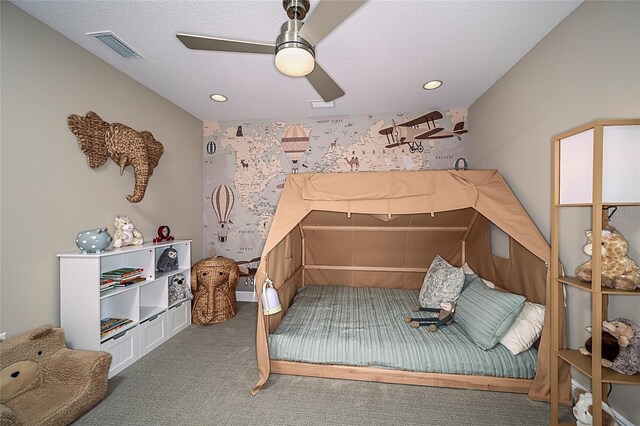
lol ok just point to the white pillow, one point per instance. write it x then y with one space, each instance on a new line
526 329
467 270
442 283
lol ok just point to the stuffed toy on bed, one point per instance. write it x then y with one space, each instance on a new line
445 316
618 270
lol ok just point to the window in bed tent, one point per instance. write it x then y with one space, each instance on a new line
499 242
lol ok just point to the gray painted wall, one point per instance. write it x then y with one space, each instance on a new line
587 68
48 192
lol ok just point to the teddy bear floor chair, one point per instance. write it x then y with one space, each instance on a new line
42 382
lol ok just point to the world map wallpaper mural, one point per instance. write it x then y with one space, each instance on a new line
246 164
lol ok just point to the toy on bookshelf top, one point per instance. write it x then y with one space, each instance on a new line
125 233
93 240
164 234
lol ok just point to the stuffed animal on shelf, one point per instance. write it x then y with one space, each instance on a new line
168 260
583 408
179 288
445 316
610 348
625 335
618 270
125 233
628 335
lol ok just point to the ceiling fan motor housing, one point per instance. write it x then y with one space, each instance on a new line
289 37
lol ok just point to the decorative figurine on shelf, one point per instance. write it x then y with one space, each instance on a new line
164 234
168 260
618 270
94 240
125 233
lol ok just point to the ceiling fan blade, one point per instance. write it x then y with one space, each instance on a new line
327 15
324 85
197 42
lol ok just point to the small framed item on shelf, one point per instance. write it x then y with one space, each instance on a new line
164 234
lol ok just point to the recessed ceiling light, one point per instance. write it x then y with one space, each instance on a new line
433 84
218 98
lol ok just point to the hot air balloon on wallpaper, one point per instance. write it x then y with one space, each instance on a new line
222 201
295 142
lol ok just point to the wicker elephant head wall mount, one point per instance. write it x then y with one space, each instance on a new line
126 147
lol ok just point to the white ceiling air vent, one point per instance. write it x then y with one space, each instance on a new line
321 104
115 44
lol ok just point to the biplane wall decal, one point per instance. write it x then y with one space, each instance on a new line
410 132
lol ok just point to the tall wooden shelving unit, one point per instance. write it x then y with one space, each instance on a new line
607 151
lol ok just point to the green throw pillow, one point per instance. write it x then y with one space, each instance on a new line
486 314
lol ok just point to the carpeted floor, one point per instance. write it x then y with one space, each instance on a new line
203 376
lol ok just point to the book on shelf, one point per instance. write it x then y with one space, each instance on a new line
107 325
105 288
128 282
107 282
122 273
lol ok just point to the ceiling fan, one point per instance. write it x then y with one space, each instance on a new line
294 47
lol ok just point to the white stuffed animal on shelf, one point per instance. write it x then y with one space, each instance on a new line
583 408
125 233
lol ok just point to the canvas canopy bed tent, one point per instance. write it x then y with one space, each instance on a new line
381 230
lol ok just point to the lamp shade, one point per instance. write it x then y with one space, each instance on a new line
618 157
270 299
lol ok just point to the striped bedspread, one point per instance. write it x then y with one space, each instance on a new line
364 327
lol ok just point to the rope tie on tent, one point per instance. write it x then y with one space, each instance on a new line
349 209
388 208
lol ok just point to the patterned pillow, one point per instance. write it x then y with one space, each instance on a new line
442 283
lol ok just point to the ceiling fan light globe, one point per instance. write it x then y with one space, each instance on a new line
295 61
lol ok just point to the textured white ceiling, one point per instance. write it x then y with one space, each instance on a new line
380 56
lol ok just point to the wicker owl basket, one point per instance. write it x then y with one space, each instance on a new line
213 283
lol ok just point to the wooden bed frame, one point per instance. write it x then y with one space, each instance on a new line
374 374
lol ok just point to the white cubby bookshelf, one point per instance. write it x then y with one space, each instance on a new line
153 320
